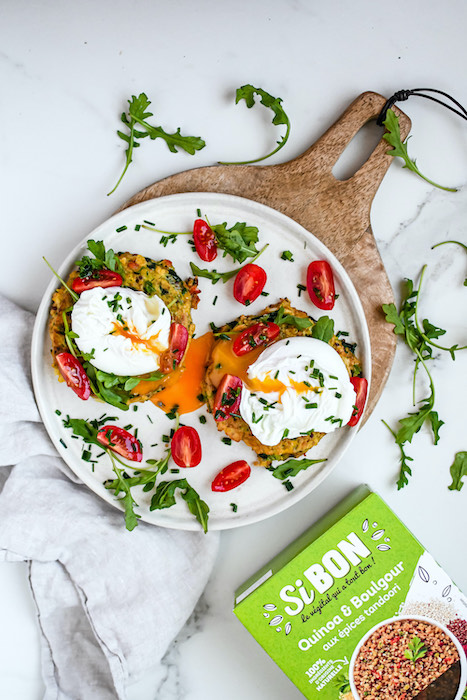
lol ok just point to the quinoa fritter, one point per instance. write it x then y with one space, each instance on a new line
141 274
234 426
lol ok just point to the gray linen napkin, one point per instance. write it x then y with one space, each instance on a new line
109 601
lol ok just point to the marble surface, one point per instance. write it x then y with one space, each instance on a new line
67 70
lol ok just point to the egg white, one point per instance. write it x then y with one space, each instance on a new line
103 318
272 415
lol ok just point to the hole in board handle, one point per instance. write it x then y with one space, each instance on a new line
358 150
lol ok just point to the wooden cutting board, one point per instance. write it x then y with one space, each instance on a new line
335 211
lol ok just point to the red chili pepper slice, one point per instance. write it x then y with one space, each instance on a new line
320 284
231 476
254 336
249 283
205 240
227 399
186 447
99 278
74 375
178 340
360 384
120 441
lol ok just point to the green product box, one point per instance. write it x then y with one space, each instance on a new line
356 568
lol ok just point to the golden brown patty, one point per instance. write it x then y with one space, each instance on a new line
141 274
234 426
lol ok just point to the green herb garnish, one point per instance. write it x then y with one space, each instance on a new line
215 276
137 117
164 497
416 650
399 148
292 467
458 471
247 93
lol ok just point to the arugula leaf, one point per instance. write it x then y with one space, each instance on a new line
102 259
299 322
164 497
458 470
399 148
239 241
292 467
323 329
137 115
247 93
215 276
419 339
129 503
462 245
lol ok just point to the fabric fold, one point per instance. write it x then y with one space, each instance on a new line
109 601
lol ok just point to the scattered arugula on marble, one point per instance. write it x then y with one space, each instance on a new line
139 128
399 148
421 339
247 93
458 470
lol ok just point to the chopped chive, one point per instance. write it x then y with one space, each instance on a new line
234 507
198 213
276 374
59 413
86 455
337 395
214 300
288 485
301 288
287 255
175 471
202 419
63 443
150 223
135 407
226 441
137 227
264 294
121 228
149 418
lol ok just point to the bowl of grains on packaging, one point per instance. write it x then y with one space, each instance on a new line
408 657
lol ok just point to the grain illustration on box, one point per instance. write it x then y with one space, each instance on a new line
342 613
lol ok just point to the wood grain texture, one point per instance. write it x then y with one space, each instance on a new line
335 211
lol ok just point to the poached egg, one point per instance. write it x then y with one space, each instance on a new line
296 386
126 331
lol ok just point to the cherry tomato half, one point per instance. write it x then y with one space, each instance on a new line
120 441
204 240
231 476
178 340
227 399
249 283
99 278
74 375
254 336
360 385
186 447
320 284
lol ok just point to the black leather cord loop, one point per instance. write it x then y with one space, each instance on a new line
402 95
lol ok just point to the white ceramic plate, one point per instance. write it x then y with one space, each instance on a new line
261 495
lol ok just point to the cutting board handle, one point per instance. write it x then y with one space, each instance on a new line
326 151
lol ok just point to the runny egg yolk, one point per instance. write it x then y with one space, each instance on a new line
151 344
182 388
225 361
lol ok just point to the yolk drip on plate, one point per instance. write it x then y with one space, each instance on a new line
182 388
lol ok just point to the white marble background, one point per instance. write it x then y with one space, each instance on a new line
66 71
